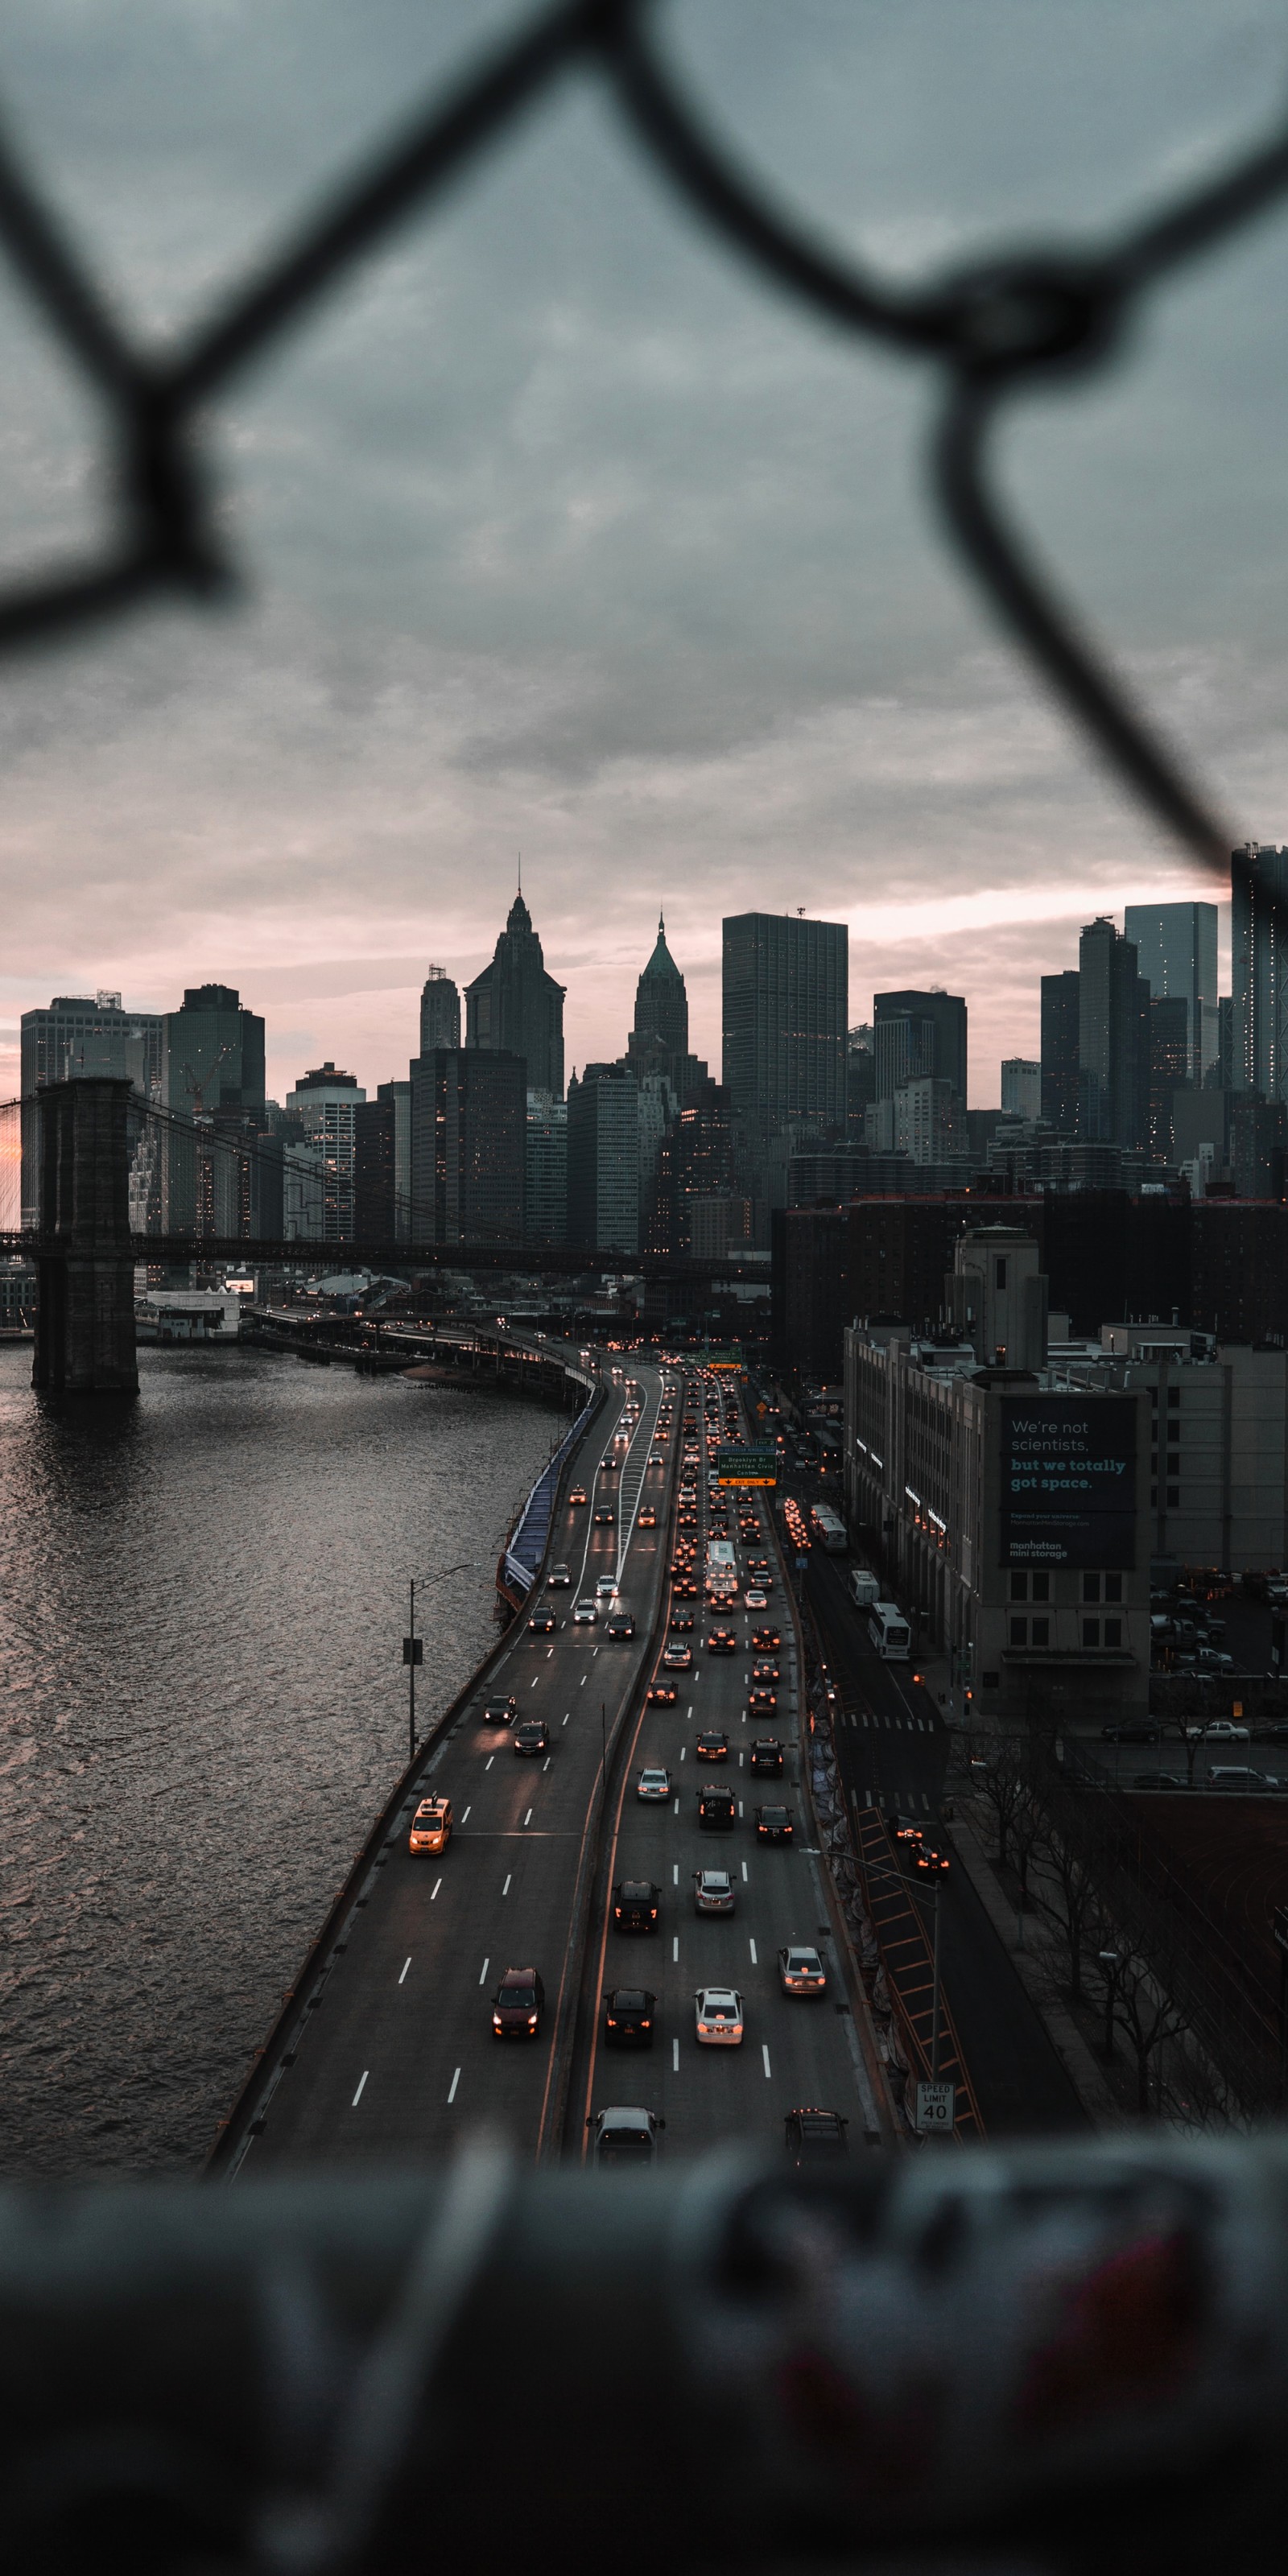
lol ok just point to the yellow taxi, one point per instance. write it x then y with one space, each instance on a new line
431 1826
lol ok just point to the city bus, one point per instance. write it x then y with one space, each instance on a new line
829 1529
889 1632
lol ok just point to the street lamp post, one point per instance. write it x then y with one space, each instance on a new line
934 2007
414 1649
1109 1960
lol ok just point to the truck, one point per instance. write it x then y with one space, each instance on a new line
829 1529
864 1587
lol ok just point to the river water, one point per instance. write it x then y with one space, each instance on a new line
203 1705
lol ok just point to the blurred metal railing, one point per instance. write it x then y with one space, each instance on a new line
991 328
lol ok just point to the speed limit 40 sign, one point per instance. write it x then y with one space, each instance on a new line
936 2109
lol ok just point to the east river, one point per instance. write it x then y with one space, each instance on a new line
202 1602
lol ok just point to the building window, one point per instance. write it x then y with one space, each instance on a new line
1091 1632
1173 1462
1113 1632
1091 1587
1113 1587
1173 1498
1173 1399
1041 1632
1153 1497
1001 1274
1041 1587
1019 1587
1019 1632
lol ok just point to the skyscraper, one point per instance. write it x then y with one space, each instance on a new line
440 1011
326 1101
1176 954
1021 1087
1169 1061
1060 1005
603 1159
468 1140
946 1015
78 1036
546 1170
214 1053
785 1014
1113 1039
514 1005
661 1008
1259 944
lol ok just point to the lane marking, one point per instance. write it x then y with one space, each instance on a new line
437 1884
675 1948
563 1721
765 2054
483 1971
677 1806
754 1960
528 1818
506 1889
406 1965
358 2095
683 1750
534 1681
675 2057
455 2081
582 1683
487 1767
549 1653
675 1873
546 1764
744 1872
466 1817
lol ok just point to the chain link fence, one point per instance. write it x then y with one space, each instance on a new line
990 329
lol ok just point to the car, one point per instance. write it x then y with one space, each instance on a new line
431 1826
712 1745
926 1859
1138 1733
761 1702
717 2017
518 2004
1240 1775
765 1641
765 1757
620 1626
1276 1734
532 1735
663 1694
647 1520
800 1970
1221 1731
606 1588
577 1495
717 1807
1211 1660
543 1623
604 1519
608 1466
624 2134
585 1615
630 2015
815 2136
656 1459
756 1600
653 1782
636 1905
773 1824
558 1578
722 1641
684 1590
713 1891
501 1710
764 1671
677 1659
1158 1780
682 1623
907 1830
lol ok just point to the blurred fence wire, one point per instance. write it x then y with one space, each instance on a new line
991 329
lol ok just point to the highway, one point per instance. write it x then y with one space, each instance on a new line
396 2058
892 1747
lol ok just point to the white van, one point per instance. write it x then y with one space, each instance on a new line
864 1587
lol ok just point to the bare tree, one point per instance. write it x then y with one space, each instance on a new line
1141 2006
995 1776
1071 1896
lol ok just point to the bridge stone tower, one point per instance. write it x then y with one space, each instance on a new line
85 1327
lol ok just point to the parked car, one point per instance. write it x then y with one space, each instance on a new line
1222 1730
1240 1775
1139 1732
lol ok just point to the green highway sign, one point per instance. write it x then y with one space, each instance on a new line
747 1466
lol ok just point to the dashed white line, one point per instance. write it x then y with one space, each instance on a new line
754 1960
434 1889
452 2089
506 1889
675 1947
487 1767
406 1965
361 2081
675 2057
765 2054
677 1806
675 1873
563 1721
465 1817
483 1971
582 1683
744 1871
528 1818
683 1750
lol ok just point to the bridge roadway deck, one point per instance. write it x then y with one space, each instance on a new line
399 2062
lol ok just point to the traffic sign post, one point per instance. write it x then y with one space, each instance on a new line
936 2110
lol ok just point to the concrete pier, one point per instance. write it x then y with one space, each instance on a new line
85 1326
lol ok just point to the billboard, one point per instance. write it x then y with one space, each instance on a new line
1068 1480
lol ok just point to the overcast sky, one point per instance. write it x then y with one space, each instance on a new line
563 534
